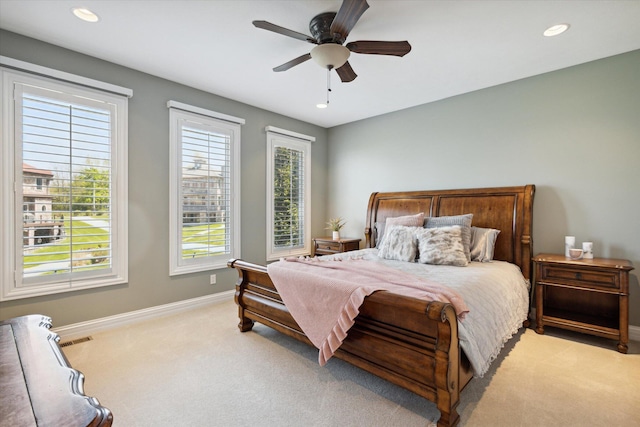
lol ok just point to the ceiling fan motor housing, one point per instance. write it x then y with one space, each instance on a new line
320 28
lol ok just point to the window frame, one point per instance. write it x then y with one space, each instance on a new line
277 137
64 85
179 113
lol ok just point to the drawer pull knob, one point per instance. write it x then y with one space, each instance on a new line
578 276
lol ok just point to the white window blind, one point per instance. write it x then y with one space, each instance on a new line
67 228
205 184
288 184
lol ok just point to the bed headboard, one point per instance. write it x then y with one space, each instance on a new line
508 209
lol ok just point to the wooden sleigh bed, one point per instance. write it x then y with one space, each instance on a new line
410 342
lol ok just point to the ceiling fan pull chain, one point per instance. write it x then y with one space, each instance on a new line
328 82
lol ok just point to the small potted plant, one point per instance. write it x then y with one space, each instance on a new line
335 224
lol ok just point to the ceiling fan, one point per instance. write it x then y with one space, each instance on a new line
330 30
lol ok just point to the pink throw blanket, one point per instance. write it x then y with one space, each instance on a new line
324 297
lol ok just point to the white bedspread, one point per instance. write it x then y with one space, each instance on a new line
496 293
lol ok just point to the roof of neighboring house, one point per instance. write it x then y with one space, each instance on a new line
31 169
200 169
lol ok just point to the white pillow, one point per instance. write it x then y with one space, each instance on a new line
441 246
399 243
483 243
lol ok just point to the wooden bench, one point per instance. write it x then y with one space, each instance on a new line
39 387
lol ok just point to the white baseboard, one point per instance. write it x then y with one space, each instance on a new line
82 329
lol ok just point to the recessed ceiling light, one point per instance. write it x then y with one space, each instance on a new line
555 30
321 105
85 14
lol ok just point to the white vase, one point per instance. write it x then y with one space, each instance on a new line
336 235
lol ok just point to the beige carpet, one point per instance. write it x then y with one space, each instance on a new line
197 369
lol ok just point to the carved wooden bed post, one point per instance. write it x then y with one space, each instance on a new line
245 324
447 362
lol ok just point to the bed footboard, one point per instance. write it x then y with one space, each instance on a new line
409 342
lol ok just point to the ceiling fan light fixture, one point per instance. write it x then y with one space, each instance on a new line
322 105
555 30
330 55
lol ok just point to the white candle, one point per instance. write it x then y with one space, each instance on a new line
587 248
569 243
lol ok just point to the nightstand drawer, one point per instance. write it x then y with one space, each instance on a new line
328 246
580 277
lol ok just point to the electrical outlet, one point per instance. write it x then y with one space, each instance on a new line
212 279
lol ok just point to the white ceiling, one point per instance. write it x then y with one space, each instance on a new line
457 46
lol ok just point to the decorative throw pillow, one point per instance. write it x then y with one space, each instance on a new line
407 220
462 220
399 243
483 243
442 246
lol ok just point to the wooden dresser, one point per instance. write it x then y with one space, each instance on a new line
587 295
38 386
328 246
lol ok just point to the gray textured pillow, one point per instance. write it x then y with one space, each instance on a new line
399 243
441 246
406 220
483 243
462 220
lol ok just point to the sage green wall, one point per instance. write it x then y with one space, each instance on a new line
149 282
574 133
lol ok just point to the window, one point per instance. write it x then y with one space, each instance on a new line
64 177
205 189
288 193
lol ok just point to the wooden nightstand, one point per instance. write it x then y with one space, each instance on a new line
587 295
328 246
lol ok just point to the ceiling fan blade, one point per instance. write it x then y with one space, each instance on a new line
293 62
346 73
284 31
346 18
380 47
